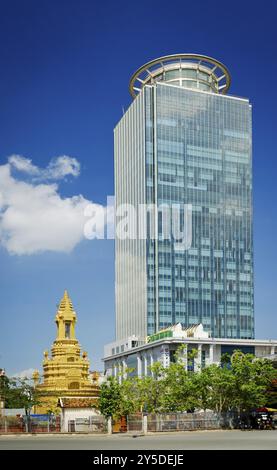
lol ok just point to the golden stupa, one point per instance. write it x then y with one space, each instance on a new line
66 372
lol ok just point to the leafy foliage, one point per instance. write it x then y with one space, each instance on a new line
252 378
239 382
19 393
110 397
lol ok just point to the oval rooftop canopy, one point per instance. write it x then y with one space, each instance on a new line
186 70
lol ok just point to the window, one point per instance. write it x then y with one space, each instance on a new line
188 73
172 74
203 76
204 87
67 329
74 386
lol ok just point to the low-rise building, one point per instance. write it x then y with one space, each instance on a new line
137 356
78 414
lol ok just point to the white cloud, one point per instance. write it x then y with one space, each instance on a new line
23 164
34 217
24 374
58 168
61 166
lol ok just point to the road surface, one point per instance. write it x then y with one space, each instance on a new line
204 440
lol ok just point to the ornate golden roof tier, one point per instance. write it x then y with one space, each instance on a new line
66 372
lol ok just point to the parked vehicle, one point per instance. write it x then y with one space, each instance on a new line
243 422
261 418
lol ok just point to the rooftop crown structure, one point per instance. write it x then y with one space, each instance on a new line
185 70
66 372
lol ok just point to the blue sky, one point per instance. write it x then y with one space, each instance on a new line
65 67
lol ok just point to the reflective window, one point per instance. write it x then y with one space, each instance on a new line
172 74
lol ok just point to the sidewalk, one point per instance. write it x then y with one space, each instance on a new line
130 434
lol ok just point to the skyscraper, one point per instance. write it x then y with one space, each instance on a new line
182 141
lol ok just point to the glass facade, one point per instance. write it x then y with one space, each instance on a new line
197 77
186 146
130 254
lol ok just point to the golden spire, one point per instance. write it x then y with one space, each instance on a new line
66 318
66 370
66 308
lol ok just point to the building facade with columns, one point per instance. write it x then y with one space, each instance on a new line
134 357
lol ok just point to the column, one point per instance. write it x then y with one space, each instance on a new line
165 356
211 354
139 365
185 357
145 365
119 369
110 425
198 358
124 367
151 361
145 424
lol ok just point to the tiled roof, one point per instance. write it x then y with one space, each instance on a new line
78 402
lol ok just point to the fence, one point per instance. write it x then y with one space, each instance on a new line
92 425
176 422
137 423
18 424
52 424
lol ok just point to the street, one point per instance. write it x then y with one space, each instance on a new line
196 440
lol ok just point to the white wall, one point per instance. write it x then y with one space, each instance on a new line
69 414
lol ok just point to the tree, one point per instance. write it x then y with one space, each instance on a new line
20 393
191 356
5 390
271 396
240 382
215 388
178 383
110 397
151 390
225 360
202 389
253 378
131 396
